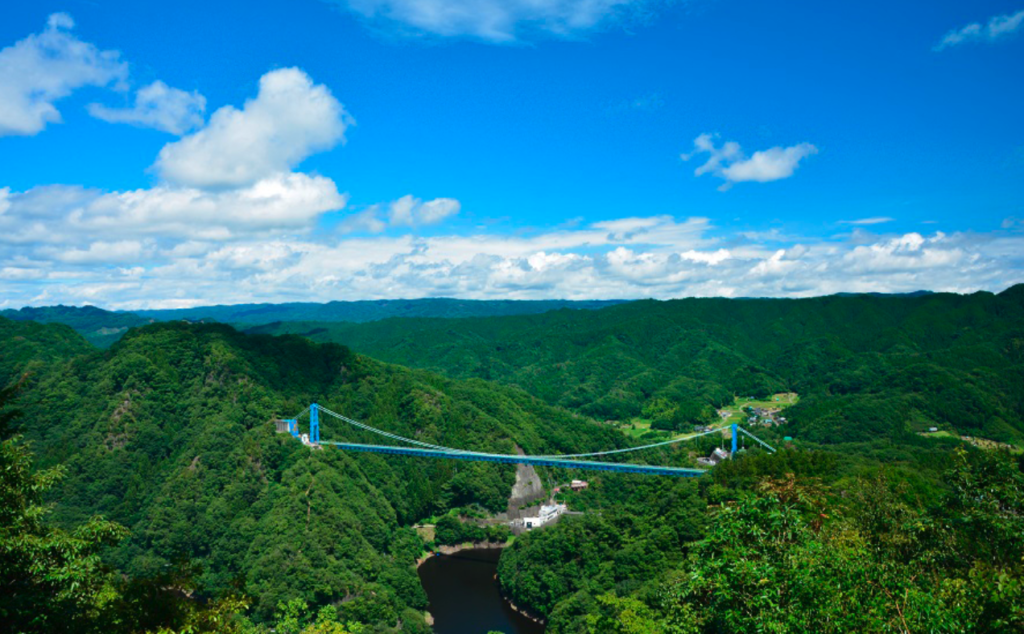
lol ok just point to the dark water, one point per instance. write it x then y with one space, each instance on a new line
464 597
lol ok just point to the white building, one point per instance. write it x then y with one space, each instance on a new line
548 513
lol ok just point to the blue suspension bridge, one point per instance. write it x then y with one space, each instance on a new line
568 461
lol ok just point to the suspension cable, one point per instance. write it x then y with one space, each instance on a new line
772 449
366 427
629 449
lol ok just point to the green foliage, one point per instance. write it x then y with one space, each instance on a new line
41 565
295 617
54 580
862 555
370 310
866 365
169 433
636 530
99 327
451 530
29 347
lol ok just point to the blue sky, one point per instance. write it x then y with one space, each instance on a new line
157 154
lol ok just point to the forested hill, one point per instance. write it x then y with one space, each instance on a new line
371 310
865 365
32 347
99 327
169 433
103 327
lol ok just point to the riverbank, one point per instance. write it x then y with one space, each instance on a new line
451 550
521 611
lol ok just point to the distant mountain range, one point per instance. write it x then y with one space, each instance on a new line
371 310
102 327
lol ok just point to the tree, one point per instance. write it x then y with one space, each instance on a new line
50 579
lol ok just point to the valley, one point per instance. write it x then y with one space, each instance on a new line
169 434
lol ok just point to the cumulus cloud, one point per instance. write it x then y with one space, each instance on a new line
656 256
729 163
158 106
492 20
288 120
182 221
46 67
282 202
997 27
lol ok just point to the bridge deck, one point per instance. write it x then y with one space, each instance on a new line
545 462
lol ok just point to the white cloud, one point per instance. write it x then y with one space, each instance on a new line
368 221
158 106
290 119
492 20
282 202
46 67
408 211
907 253
996 28
876 220
732 165
710 258
21 274
99 252
659 256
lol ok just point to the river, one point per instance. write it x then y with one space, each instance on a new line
464 595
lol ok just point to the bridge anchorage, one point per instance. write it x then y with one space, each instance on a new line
568 461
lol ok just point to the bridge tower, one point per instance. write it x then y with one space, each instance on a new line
314 424
735 437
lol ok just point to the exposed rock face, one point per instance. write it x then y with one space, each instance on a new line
527 489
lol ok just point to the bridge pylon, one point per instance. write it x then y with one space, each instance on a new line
314 424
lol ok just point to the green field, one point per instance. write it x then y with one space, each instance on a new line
781 400
638 427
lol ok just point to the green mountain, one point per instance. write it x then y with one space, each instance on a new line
99 327
103 327
863 365
370 310
169 433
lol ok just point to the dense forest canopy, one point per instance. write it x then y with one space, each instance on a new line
103 327
99 327
167 436
865 365
371 310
